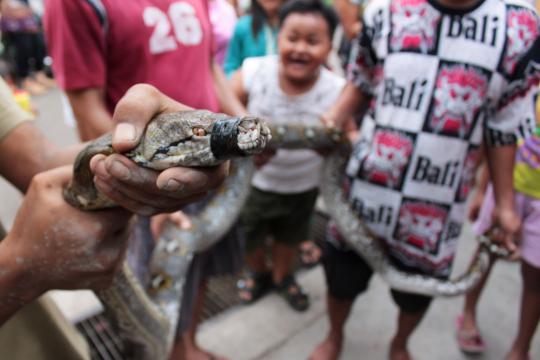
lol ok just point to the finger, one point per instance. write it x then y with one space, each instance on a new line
118 168
156 224
148 207
133 112
190 180
141 184
181 220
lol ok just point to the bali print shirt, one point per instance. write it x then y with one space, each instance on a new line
442 81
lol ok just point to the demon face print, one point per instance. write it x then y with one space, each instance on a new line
386 161
522 31
420 225
414 25
459 95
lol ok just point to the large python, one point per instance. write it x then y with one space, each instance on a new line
146 314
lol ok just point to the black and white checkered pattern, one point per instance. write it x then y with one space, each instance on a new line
442 80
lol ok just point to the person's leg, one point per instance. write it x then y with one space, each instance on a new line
412 310
283 258
347 275
256 280
289 228
467 331
530 312
338 313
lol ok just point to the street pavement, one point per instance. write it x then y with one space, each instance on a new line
270 330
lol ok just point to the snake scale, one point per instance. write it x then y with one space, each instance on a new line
146 314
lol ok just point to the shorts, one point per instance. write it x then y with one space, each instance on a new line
347 276
286 217
528 210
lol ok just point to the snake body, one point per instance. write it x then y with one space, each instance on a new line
146 314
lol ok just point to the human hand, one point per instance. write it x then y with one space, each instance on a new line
140 190
178 218
55 246
506 225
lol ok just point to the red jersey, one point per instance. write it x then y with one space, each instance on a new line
114 44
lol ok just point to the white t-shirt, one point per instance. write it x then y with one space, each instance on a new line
289 171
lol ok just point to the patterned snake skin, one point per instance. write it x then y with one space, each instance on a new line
146 314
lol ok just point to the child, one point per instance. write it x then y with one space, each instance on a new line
527 186
440 81
255 34
294 87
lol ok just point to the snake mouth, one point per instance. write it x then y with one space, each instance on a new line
253 135
238 137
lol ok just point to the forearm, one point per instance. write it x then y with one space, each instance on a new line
93 118
501 166
348 103
27 145
483 177
14 292
349 16
228 102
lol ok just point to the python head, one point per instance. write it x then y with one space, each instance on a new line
198 138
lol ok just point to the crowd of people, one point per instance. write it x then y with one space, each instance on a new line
439 98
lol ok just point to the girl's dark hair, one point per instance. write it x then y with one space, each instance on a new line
258 17
310 7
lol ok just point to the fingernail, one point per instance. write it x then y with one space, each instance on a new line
173 185
120 171
125 132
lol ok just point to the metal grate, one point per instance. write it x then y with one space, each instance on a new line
106 345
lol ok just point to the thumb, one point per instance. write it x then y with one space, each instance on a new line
135 110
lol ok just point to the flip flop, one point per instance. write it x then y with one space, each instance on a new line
469 342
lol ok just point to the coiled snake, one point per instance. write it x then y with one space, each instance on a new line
146 314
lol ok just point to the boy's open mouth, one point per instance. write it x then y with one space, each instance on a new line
298 62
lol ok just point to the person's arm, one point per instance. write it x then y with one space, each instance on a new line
505 221
349 17
481 186
77 42
229 103
347 104
233 58
52 245
238 88
93 118
500 135
27 145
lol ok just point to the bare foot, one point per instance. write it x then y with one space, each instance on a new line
399 353
329 349
196 353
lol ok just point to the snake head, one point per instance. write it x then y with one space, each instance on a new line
198 138
253 135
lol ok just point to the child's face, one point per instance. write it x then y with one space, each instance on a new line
304 45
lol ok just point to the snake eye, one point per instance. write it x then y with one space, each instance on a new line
197 131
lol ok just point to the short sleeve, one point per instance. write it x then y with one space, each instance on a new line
519 90
75 31
11 114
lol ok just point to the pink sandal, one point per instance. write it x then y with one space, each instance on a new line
469 342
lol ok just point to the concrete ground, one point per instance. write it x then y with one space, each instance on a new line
269 330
